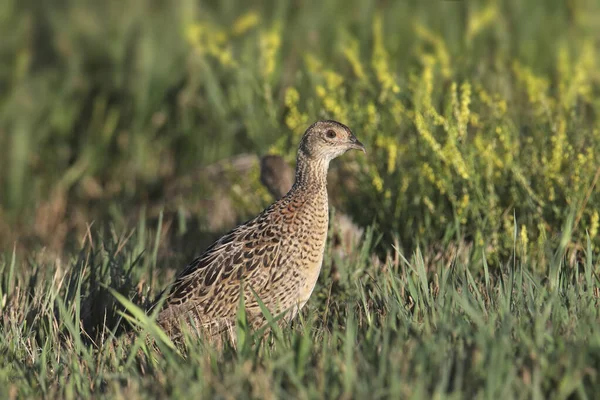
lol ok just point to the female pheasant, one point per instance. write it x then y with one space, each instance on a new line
275 256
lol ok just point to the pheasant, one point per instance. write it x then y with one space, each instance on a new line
275 257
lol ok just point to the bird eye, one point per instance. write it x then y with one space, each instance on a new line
330 134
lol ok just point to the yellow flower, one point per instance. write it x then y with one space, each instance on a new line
380 61
245 23
313 64
524 239
594 224
352 55
429 204
291 97
320 90
392 150
441 52
269 45
372 114
333 79
463 115
481 20
193 34
295 120
377 182
210 40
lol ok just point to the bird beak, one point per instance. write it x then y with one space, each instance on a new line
358 146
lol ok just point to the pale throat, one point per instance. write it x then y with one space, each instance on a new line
311 173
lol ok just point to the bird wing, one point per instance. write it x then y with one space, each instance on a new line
210 284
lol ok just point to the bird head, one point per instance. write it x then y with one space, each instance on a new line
326 140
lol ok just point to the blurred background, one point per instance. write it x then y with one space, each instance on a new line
480 117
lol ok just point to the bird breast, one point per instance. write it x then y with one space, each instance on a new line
307 219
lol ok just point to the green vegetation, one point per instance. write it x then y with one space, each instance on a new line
478 276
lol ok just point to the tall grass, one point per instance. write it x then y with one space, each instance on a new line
378 329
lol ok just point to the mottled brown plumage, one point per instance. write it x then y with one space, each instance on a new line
277 176
277 255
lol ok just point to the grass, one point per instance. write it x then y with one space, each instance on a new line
398 328
478 276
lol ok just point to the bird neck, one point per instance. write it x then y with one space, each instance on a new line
311 173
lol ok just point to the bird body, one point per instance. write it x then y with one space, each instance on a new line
275 256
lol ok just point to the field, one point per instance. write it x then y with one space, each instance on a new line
124 133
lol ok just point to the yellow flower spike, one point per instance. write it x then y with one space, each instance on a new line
193 34
441 52
454 100
398 111
330 104
210 40
351 52
404 183
270 42
294 120
502 106
481 20
496 103
429 204
462 207
428 78
380 61
484 97
244 23
465 201
320 90
372 115
219 37
558 150
551 194
225 57
537 88
423 90
465 101
392 150
424 132
581 76
313 64
448 154
479 239
291 97
594 224
429 174
333 79
524 239
377 182
508 224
